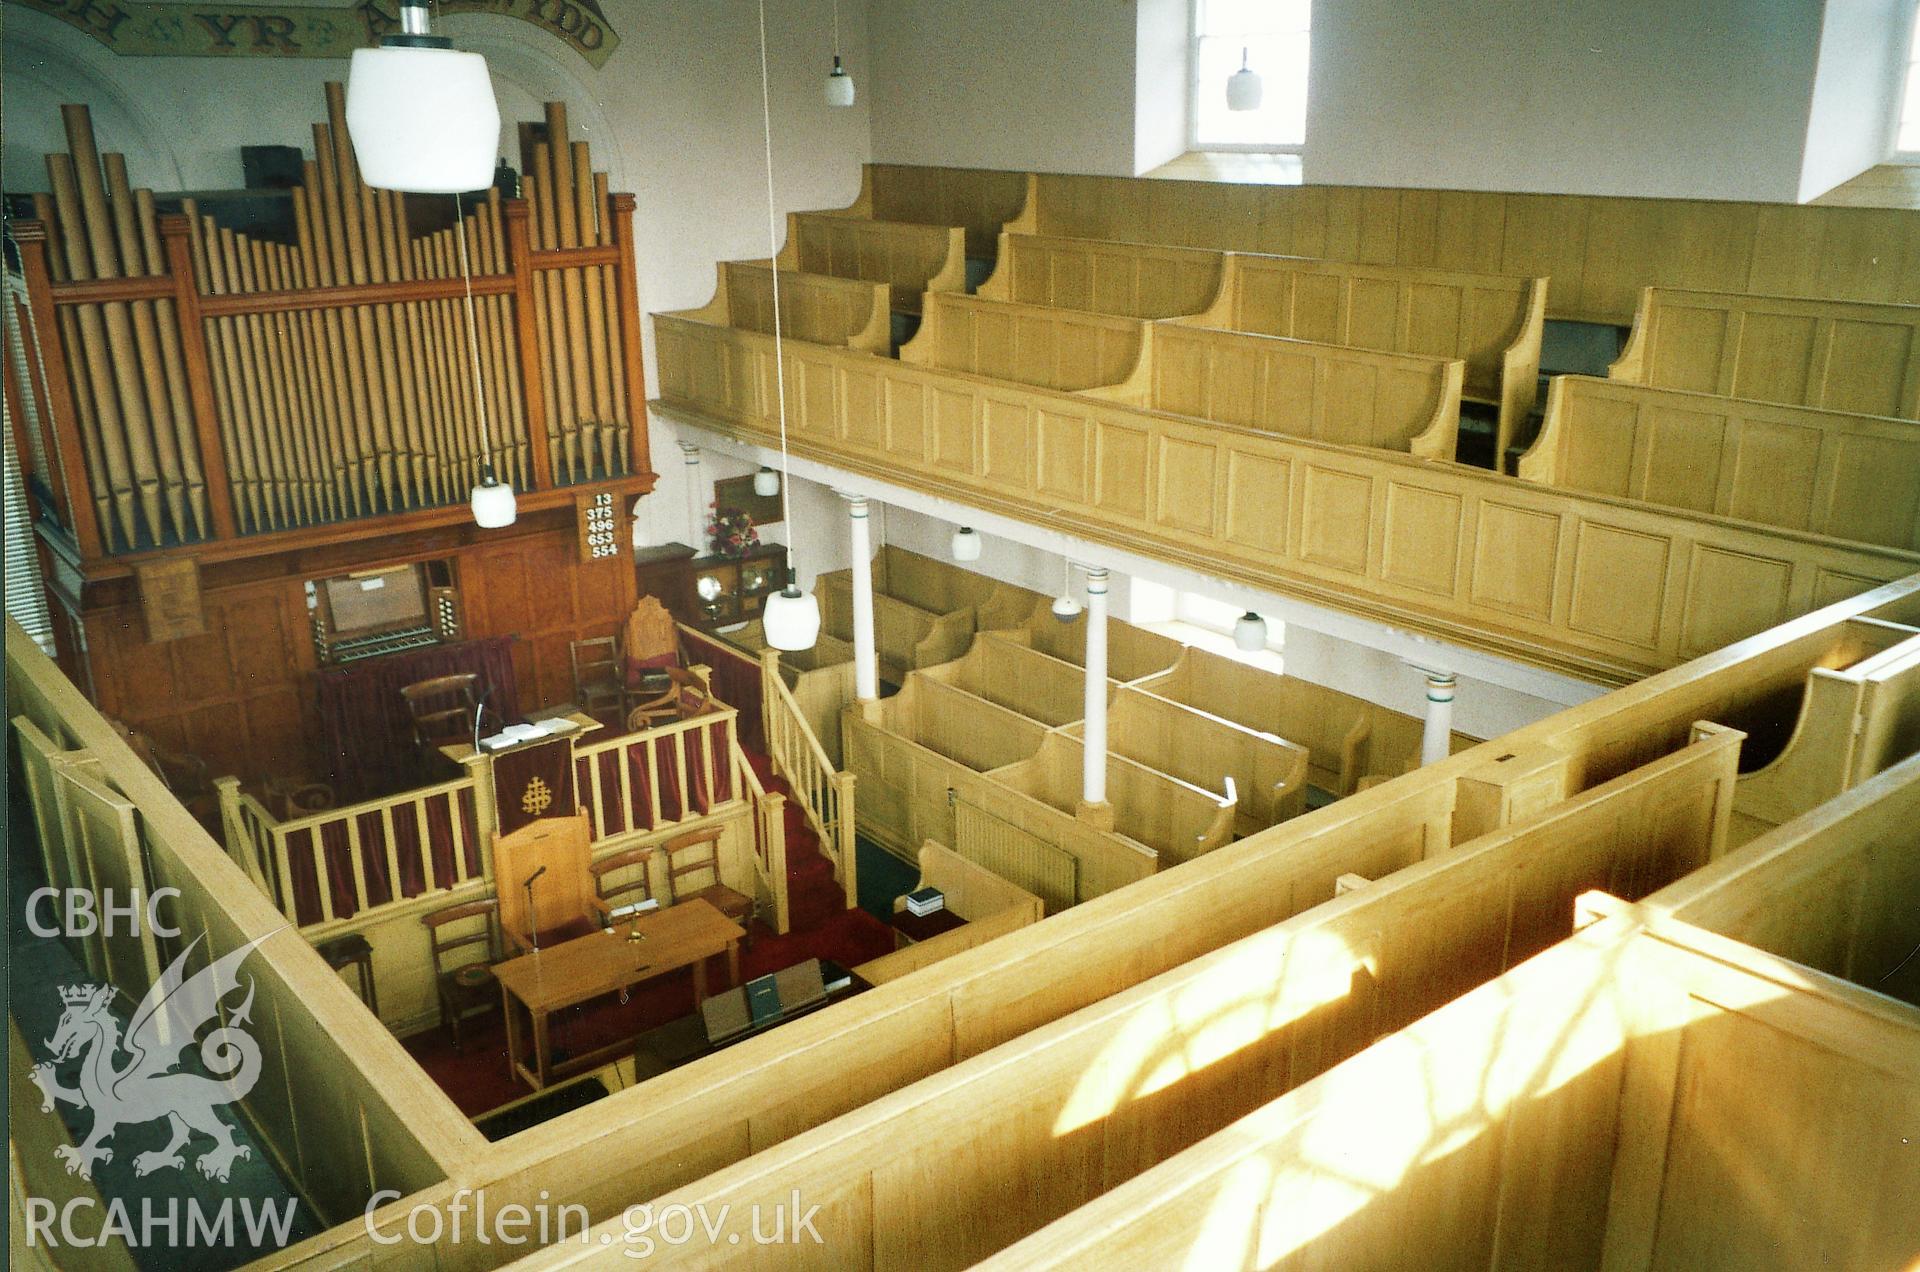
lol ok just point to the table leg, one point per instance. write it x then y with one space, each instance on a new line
541 1053
513 1033
733 962
699 982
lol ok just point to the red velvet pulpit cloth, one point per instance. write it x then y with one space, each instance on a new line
531 782
366 734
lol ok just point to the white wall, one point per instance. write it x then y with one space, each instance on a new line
1162 68
1701 98
1044 87
1863 63
674 116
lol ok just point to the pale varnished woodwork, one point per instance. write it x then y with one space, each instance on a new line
1834 355
990 905
1599 251
815 307
910 259
1577 582
1130 280
1027 344
1832 473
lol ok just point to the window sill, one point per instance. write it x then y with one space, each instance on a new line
1238 167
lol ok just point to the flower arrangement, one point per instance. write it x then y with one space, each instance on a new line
731 532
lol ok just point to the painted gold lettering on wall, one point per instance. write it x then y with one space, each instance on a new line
161 28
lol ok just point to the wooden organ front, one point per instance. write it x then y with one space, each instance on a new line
247 412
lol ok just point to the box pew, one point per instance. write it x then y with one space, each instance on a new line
1825 472
905 636
1027 344
1856 717
946 1171
1127 280
1837 889
1269 774
937 586
911 259
1836 355
1133 653
902 794
1629 1099
985 204
990 905
1490 322
910 792
1298 388
1177 819
818 308
1019 678
1346 738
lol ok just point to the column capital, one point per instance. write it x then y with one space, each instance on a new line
690 451
856 502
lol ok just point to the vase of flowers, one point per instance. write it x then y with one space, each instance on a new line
731 532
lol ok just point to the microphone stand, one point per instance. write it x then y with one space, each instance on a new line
479 709
533 925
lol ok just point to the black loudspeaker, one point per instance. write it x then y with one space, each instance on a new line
270 167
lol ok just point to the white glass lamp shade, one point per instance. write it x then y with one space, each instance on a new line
1250 632
839 85
1244 88
791 619
422 120
493 503
966 545
766 483
1066 609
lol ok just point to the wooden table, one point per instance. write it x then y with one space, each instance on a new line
461 752
685 935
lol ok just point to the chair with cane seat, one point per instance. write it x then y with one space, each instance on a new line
466 985
636 889
692 855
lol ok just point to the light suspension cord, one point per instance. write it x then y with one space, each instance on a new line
836 29
473 341
773 263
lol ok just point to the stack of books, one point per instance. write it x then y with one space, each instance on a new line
925 901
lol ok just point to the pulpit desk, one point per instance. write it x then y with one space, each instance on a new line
631 951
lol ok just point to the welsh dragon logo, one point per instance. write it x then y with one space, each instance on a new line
148 1086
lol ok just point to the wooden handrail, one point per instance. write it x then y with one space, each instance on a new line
825 794
770 839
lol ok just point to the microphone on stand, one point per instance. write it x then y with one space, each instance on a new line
533 925
480 709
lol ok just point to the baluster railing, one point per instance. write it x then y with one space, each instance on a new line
825 795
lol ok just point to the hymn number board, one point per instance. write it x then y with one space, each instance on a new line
598 522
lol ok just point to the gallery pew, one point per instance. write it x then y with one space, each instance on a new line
1127 280
814 307
1298 388
985 204
1565 580
1034 843
1019 678
1022 1134
1269 774
1835 355
1836 889
911 259
1830 473
990 905
1178 820
1492 323
1346 738
1630 1099
1857 716
1027 344
1599 250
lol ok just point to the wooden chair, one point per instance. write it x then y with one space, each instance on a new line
434 722
599 677
696 852
564 905
468 984
635 890
649 643
687 694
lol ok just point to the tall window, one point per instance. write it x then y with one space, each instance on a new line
1272 35
1909 142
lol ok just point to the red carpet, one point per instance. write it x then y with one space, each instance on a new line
820 927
